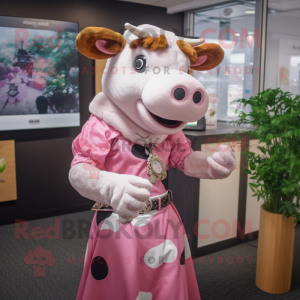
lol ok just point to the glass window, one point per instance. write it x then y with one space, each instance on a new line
233 26
283 46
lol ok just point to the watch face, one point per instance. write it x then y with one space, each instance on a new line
156 166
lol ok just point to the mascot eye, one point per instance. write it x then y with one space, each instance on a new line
139 64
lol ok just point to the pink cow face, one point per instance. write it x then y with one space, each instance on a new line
152 87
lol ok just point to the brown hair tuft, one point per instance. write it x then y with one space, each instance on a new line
152 43
188 50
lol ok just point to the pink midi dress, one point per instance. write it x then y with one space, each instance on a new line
149 258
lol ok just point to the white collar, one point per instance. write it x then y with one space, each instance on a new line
106 110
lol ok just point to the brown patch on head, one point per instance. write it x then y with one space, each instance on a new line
152 43
86 42
188 50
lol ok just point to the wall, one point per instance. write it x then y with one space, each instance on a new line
43 157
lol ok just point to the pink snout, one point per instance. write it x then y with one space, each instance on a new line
175 96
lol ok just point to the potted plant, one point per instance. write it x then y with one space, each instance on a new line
275 120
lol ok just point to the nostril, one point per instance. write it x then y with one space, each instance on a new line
179 93
197 97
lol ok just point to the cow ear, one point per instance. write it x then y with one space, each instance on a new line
209 56
99 42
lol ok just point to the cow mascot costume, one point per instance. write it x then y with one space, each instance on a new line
138 248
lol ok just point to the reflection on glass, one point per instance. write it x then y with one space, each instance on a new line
283 46
233 27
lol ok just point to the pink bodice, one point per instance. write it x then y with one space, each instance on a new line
102 146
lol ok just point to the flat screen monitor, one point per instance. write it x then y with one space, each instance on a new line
39 74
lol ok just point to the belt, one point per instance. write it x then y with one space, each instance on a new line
153 204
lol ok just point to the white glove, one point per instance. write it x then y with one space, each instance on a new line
126 194
218 166
222 163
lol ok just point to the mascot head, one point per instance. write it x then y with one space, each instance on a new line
147 74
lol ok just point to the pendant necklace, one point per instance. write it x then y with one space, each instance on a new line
155 167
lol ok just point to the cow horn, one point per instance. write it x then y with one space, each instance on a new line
141 33
192 42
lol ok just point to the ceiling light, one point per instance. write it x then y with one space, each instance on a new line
237 34
250 12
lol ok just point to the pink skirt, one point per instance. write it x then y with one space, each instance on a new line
147 259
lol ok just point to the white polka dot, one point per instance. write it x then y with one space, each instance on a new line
143 219
187 249
111 223
166 252
144 296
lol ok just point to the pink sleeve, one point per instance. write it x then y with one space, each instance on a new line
181 148
93 143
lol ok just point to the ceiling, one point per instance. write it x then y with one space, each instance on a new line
174 6
226 13
284 5
162 3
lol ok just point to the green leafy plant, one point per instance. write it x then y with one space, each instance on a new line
275 117
2 167
58 84
2 164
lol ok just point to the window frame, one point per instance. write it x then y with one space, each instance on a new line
261 15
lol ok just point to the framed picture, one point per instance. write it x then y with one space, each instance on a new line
8 183
39 74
